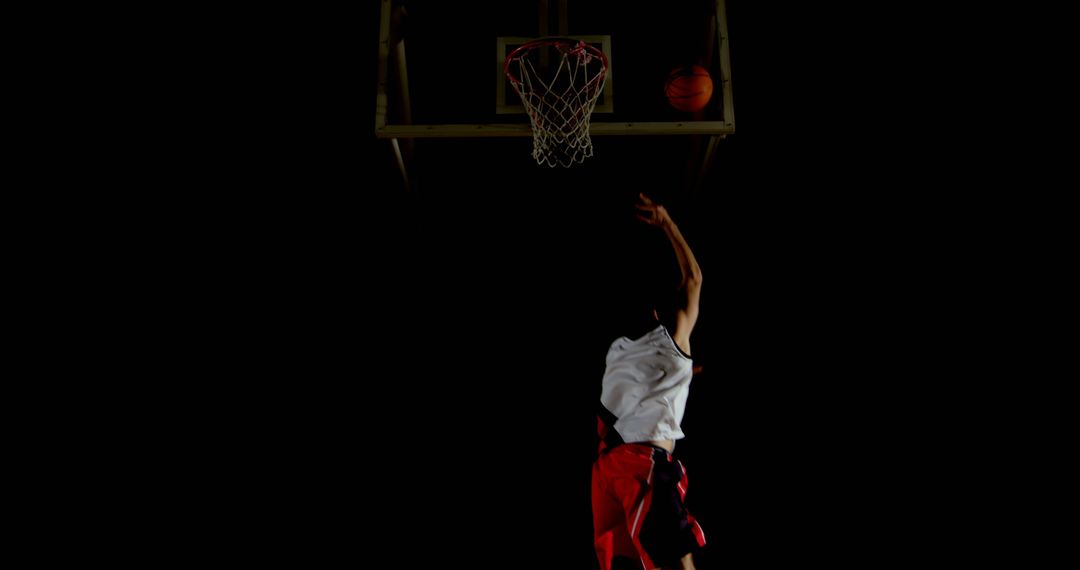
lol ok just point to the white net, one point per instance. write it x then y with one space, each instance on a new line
559 103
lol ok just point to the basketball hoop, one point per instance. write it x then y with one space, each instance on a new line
559 103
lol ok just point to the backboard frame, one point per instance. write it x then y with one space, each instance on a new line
390 41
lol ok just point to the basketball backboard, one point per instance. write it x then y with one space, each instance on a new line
441 66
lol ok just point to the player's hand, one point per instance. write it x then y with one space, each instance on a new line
650 212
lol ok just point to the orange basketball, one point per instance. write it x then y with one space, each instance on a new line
688 88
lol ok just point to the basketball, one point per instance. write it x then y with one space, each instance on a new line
688 88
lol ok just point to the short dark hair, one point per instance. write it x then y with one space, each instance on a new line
650 282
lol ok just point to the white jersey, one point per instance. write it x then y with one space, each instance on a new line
646 384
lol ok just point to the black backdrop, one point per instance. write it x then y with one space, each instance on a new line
393 359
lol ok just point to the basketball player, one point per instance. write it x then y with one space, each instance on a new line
637 486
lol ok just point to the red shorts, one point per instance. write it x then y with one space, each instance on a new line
638 514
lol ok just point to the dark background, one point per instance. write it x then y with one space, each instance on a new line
413 375
514 279
517 279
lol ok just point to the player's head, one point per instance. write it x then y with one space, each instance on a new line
648 277
655 295
665 305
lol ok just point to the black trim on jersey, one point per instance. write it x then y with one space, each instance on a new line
676 345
